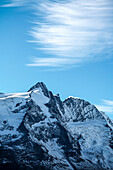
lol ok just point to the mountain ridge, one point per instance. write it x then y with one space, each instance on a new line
39 131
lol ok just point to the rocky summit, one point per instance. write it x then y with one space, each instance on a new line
39 131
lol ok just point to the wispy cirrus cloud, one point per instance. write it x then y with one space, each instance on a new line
106 106
17 3
71 30
51 62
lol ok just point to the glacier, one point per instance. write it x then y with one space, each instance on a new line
39 131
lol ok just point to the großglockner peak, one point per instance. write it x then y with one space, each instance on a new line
39 131
42 86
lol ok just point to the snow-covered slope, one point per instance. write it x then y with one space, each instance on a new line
39 131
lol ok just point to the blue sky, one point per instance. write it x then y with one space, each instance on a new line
66 44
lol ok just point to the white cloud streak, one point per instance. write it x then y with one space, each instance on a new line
106 109
18 3
107 106
108 102
51 62
81 29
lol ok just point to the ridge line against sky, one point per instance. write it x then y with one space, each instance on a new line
68 34
71 32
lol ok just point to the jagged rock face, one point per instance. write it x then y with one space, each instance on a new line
81 110
39 131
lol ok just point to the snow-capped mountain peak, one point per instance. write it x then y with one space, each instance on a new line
42 86
38 130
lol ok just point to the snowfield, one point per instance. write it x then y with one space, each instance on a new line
37 129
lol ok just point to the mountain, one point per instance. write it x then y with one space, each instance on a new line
39 131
